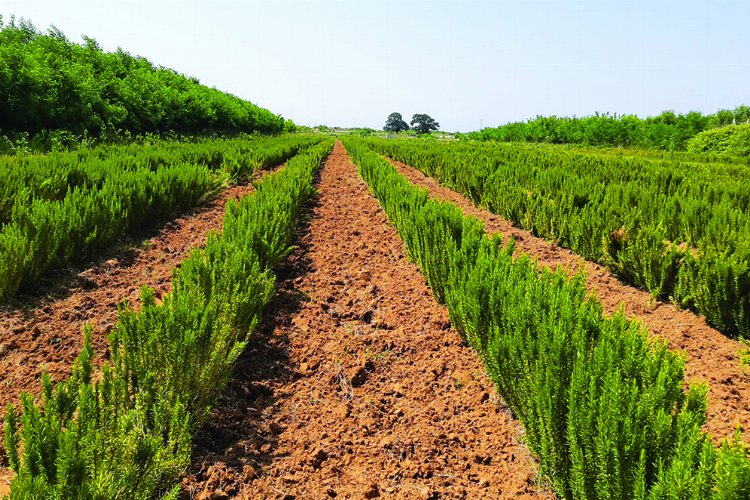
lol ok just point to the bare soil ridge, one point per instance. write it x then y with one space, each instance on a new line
711 356
355 385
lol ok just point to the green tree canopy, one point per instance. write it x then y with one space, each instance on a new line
395 123
424 124
667 131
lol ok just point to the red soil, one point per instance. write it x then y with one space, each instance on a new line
711 356
355 385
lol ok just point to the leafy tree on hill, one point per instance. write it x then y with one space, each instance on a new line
738 116
50 83
424 124
395 123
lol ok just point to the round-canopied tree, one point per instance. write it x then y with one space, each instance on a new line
424 124
395 123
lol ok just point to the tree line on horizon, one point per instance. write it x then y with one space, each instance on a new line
667 131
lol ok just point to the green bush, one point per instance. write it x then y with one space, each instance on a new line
61 208
667 131
732 140
50 83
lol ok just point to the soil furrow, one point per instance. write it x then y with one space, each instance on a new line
711 356
47 335
355 385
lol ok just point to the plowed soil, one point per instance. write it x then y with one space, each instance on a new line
711 356
355 385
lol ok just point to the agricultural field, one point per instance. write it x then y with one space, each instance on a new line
201 299
330 329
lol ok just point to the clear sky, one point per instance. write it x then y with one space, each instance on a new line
462 62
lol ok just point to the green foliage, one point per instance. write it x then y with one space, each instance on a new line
290 127
603 407
61 208
733 140
737 116
128 434
744 354
395 123
424 124
96 440
678 228
667 131
50 83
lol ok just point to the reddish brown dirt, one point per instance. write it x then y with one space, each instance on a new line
711 356
356 386
6 476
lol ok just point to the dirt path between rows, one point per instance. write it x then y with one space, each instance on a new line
711 356
355 385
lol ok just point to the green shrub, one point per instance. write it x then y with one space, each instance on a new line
732 140
51 83
61 208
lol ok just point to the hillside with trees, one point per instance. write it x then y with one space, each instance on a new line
48 83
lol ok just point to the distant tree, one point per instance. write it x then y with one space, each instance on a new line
742 114
363 132
395 123
424 124
289 125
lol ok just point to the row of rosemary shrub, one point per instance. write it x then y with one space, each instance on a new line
603 407
678 227
127 434
61 208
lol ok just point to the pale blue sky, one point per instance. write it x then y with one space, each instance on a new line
334 62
